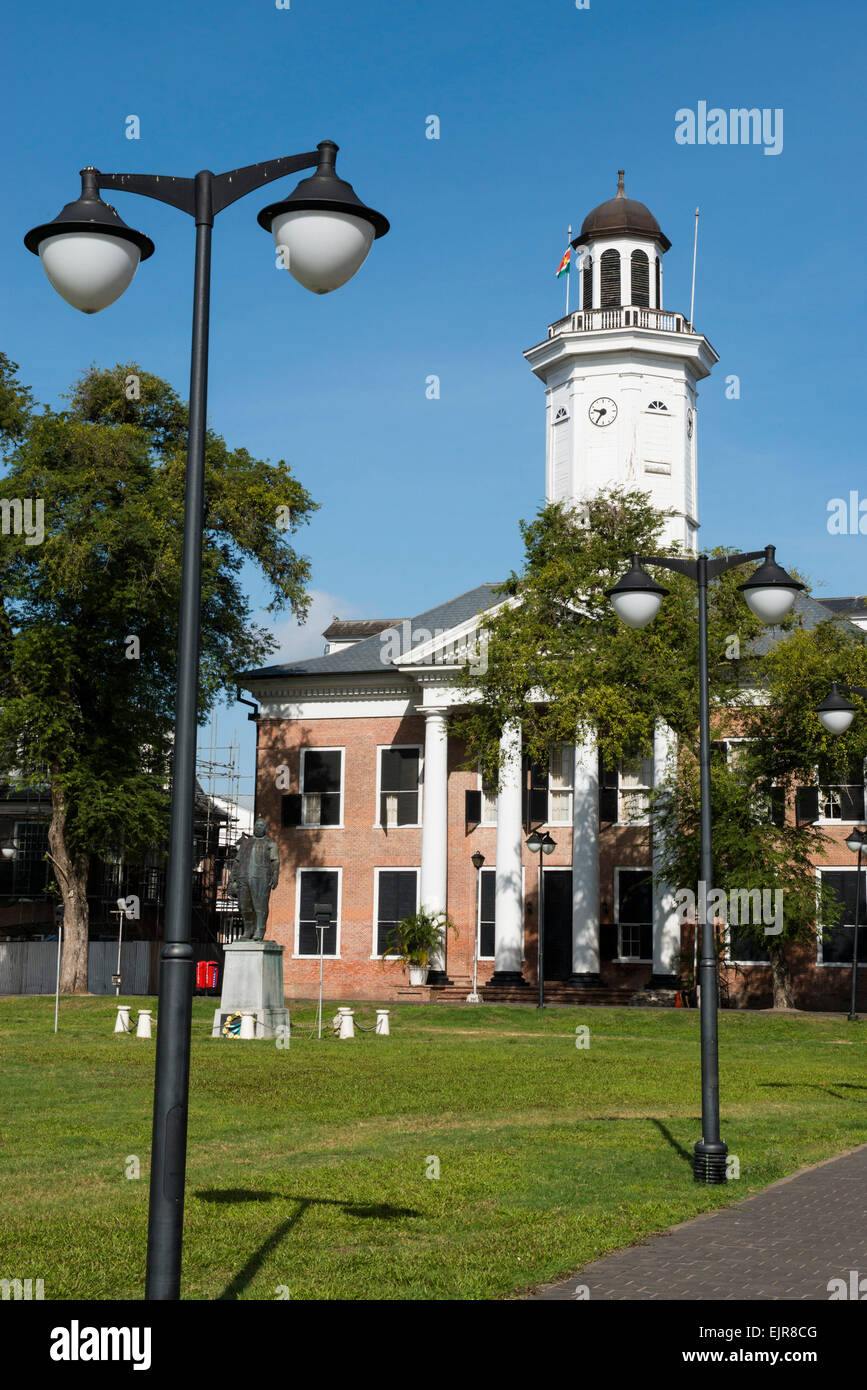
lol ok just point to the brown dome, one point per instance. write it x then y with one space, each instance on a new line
621 216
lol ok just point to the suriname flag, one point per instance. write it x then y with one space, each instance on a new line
563 267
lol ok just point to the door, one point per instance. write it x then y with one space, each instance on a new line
558 923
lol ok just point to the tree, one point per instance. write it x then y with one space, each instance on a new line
556 636
89 614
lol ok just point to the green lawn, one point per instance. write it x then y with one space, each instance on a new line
307 1166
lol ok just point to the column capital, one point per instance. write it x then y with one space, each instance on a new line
434 711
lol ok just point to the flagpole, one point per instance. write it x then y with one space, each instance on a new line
569 269
694 251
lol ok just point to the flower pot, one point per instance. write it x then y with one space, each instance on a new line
418 974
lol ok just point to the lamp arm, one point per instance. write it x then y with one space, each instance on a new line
853 689
226 188
718 565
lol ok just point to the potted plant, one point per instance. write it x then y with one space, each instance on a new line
414 940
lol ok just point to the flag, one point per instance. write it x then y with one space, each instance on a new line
563 267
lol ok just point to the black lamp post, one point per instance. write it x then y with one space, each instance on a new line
636 598
478 860
856 842
545 845
323 233
836 714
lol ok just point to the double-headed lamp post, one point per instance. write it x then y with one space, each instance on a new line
323 233
836 713
544 844
637 598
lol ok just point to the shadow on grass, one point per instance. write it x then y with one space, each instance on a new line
378 1211
814 1086
670 1139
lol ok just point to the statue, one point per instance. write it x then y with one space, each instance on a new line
254 875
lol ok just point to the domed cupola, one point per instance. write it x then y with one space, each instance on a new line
617 265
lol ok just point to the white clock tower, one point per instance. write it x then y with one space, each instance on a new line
621 373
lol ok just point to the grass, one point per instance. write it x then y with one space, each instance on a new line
306 1170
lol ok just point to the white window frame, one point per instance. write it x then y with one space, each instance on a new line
569 790
312 748
834 820
390 869
839 869
634 821
632 869
481 788
318 869
393 748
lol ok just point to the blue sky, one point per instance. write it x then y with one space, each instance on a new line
539 104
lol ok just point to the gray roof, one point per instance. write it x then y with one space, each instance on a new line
367 655
847 607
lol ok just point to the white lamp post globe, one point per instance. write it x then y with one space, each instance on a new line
855 841
770 604
89 269
320 249
636 609
836 721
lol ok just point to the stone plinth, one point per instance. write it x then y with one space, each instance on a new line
253 982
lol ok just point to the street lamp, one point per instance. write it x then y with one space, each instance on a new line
90 256
636 598
478 860
856 842
545 845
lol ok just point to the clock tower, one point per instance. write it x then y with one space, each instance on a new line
621 373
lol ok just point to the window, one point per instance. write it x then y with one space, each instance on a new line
562 416
561 767
658 283
587 283
747 944
487 912
321 779
609 266
634 899
636 780
657 405
317 886
396 898
836 948
30 869
489 801
842 801
640 279
398 786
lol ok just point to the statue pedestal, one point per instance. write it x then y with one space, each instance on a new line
253 983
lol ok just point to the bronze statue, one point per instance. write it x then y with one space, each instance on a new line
254 875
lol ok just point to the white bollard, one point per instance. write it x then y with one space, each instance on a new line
143 1028
122 1022
347 1027
382 1022
248 1025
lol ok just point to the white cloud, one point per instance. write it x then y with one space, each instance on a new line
296 643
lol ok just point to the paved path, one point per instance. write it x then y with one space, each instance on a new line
785 1242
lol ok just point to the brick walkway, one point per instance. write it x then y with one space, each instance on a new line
785 1242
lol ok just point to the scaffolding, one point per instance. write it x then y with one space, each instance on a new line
224 814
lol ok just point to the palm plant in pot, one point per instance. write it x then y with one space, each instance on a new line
416 939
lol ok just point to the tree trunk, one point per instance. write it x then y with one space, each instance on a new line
781 975
71 873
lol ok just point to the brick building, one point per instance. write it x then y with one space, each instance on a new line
363 785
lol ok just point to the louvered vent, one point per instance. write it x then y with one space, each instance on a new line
640 279
610 269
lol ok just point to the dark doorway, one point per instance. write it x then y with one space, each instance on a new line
558 923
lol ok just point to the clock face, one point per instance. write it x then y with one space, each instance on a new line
603 411
690 420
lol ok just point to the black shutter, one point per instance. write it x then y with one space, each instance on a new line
806 805
608 941
535 806
640 279
290 809
718 749
778 806
488 895
472 808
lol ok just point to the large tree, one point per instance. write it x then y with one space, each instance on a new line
559 660
89 612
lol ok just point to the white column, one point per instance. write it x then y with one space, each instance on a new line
434 832
509 930
585 861
666 924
